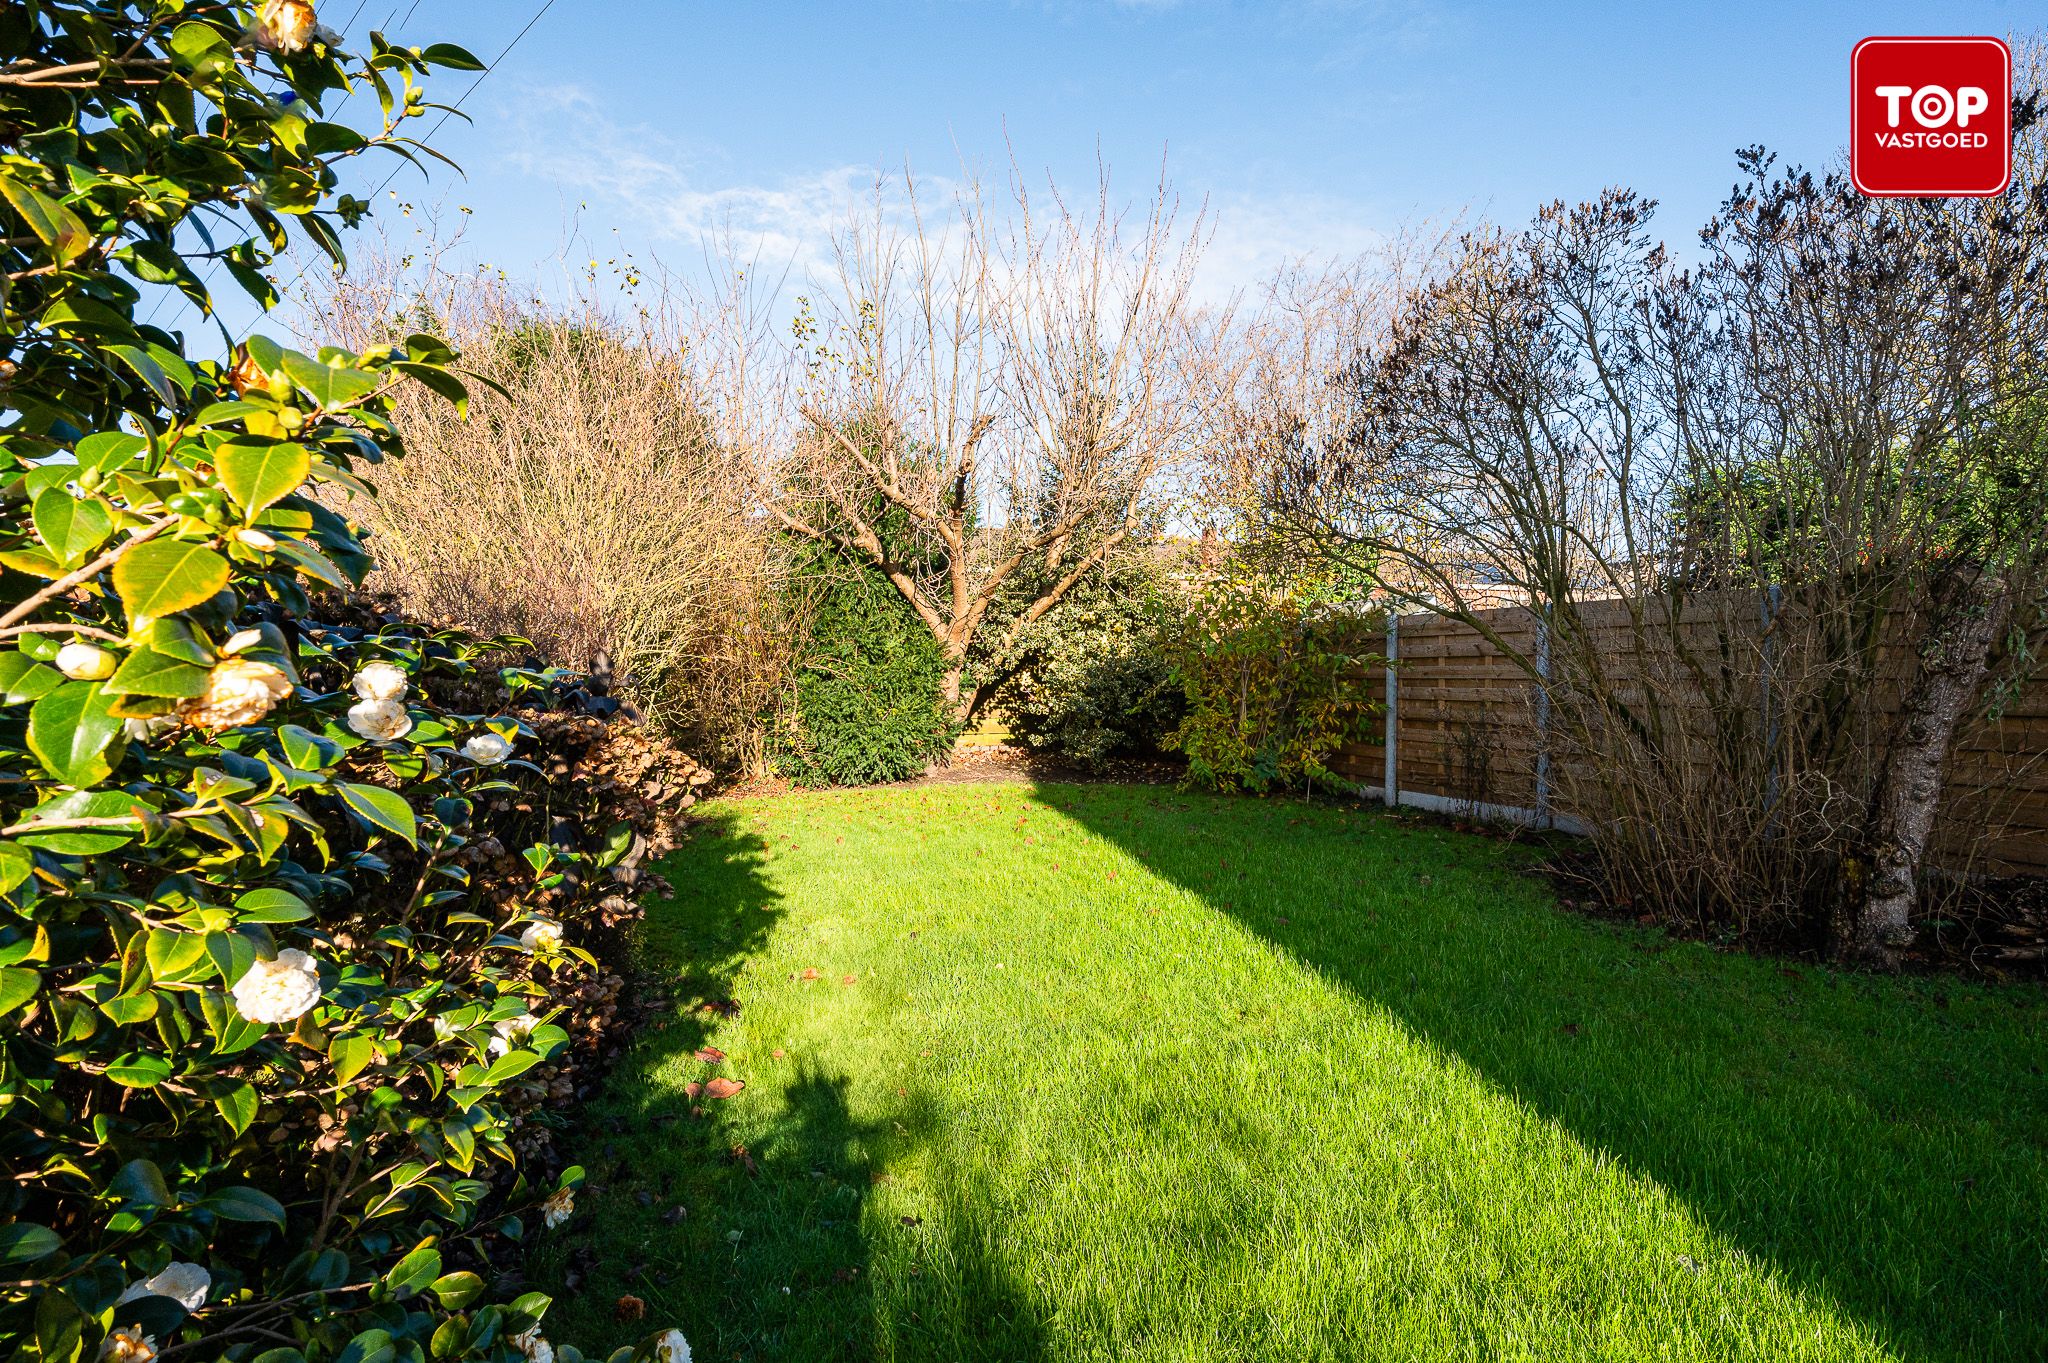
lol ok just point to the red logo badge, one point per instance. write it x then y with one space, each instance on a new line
1930 118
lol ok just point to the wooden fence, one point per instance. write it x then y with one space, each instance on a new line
1464 732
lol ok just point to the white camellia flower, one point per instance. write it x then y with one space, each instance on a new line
381 681
512 1032
186 1284
535 1349
560 1206
380 721
238 692
279 990
487 749
129 1345
543 935
86 662
671 1347
285 26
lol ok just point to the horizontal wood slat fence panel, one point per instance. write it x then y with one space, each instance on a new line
1468 738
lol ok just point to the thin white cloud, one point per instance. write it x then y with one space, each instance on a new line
1255 234
654 186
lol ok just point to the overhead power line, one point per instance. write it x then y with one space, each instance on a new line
428 138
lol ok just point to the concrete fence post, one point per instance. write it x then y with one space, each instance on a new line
1543 816
1391 791
1773 600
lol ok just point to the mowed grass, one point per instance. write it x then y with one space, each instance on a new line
1098 1072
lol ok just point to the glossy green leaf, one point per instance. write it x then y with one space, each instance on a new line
22 678
17 986
127 1010
457 1290
108 450
237 1105
71 525
146 672
57 226
139 1070
172 953
350 1055
144 366
257 475
382 809
140 1183
163 577
23 1242
510 1065
97 804
201 51
73 732
244 1204
271 906
415 1272
330 387
17 863
177 638
453 57
307 750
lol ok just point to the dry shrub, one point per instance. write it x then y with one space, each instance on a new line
585 501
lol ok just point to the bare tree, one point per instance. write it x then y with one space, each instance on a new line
988 401
1780 518
586 498
1272 376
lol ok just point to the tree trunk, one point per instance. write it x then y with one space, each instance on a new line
1956 654
949 691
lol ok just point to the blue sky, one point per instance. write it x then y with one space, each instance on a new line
1306 125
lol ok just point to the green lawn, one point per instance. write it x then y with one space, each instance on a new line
1123 1073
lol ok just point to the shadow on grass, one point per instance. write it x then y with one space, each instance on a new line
1880 1142
765 1230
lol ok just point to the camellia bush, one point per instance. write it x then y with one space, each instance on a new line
269 1001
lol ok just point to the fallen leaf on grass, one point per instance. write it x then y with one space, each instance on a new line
725 1008
710 1054
721 1087
777 1053
810 973
628 1309
911 1220
849 979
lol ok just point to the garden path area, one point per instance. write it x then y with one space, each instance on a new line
1117 1072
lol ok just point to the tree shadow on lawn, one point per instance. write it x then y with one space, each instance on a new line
1879 1141
769 1237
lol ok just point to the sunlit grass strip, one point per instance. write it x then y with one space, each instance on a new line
1128 1074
